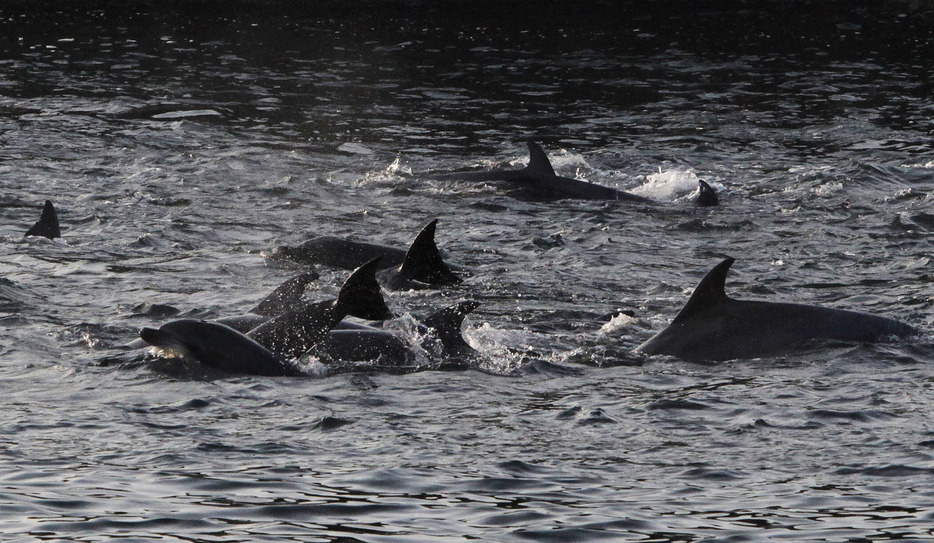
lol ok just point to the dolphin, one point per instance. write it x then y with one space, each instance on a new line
285 297
268 348
218 346
540 181
713 326
295 332
421 263
47 226
706 196
421 266
362 344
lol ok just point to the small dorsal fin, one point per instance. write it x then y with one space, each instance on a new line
539 165
423 261
286 297
360 295
706 195
710 291
447 323
48 223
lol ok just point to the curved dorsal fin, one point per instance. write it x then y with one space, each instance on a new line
286 297
361 296
48 223
423 261
447 323
539 165
710 291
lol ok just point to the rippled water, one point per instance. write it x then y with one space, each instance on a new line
813 120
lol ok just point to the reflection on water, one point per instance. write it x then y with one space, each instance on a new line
181 142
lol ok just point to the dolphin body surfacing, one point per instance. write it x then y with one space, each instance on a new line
267 349
441 333
218 346
712 326
421 263
295 332
541 182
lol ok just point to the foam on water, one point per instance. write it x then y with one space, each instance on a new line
559 432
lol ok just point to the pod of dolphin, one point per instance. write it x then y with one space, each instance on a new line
284 327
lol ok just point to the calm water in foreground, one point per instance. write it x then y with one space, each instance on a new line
814 124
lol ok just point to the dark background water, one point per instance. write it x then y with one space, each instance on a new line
293 120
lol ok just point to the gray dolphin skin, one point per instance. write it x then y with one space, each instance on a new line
540 181
337 252
266 349
286 297
713 326
217 346
364 344
421 263
706 196
295 332
47 226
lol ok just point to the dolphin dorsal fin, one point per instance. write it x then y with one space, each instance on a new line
360 295
710 291
48 223
423 261
706 196
447 323
539 165
286 297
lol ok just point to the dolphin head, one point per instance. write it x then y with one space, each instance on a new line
216 345
188 338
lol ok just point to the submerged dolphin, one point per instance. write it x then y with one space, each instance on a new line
47 226
422 262
541 181
269 347
361 344
713 326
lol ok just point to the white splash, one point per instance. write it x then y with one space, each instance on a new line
668 185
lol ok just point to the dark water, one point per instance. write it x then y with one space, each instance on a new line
812 119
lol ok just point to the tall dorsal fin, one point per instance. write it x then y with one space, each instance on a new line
710 291
360 295
423 261
48 223
286 297
539 165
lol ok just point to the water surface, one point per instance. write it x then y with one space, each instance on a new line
272 126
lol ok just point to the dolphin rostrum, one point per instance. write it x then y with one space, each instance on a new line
540 181
713 326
